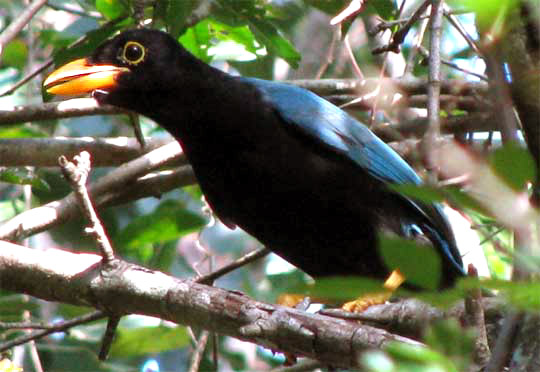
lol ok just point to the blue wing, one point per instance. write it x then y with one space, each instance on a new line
335 128
332 126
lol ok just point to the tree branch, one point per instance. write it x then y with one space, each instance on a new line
325 87
115 184
57 110
106 152
434 88
77 173
18 24
133 289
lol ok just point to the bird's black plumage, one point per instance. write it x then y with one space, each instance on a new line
293 170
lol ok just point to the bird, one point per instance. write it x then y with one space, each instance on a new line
302 176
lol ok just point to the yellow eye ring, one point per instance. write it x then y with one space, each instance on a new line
133 53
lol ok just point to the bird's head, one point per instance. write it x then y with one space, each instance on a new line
135 63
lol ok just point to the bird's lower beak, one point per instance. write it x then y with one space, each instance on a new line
80 76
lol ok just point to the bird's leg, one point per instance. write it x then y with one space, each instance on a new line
393 282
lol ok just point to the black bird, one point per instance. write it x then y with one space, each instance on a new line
293 170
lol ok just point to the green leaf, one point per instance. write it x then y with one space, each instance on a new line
55 38
19 176
112 9
93 39
386 9
254 14
463 200
523 295
10 208
11 306
210 33
177 14
514 164
338 288
174 14
140 341
330 7
239 34
418 358
424 193
268 35
20 131
420 264
450 339
490 15
15 54
196 40
170 220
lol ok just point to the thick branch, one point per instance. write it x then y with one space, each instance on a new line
44 152
56 110
134 289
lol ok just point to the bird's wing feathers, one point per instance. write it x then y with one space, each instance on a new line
334 128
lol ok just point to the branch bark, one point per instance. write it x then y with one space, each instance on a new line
127 288
57 110
114 186
105 152
325 87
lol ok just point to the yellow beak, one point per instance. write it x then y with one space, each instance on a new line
79 77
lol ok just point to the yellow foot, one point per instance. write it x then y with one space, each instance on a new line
367 300
290 300
395 279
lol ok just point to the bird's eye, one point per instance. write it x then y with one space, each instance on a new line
133 53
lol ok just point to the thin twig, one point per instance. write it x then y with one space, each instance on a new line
475 317
24 325
399 36
381 74
18 24
384 25
454 21
329 57
434 88
503 346
354 7
108 337
244 260
356 67
197 355
136 124
138 12
423 51
59 327
507 121
42 67
77 174
418 42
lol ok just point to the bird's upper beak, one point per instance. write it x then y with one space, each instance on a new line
80 76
